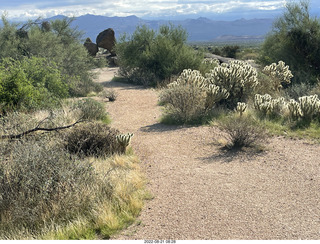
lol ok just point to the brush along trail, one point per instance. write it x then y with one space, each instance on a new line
201 192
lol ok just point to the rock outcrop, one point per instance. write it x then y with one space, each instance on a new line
91 47
106 39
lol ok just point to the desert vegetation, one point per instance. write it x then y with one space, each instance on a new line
273 94
64 172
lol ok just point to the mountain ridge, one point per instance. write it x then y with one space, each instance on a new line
200 29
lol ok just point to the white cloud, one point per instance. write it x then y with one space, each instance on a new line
140 8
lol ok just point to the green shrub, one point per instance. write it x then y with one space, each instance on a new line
242 131
149 57
298 90
295 40
93 139
58 44
90 109
30 83
230 51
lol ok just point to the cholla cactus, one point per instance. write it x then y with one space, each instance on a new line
189 77
124 140
194 78
237 77
294 109
279 73
266 105
214 95
211 61
309 106
241 108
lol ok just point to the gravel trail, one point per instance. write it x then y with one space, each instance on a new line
201 192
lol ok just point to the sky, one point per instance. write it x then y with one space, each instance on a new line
156 9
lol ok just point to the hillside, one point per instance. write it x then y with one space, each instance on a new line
201 29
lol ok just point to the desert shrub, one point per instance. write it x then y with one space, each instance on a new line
59 44
230 51
90 109
41 183
111 94
238 78
294 39
93 139
30 83
265 84
148 57
183 104
241 131
298 90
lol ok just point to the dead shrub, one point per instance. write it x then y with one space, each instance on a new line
93 139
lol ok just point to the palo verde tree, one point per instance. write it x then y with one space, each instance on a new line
55 41
149 56
295 39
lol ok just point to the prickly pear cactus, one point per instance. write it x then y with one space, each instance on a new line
124 140
279 73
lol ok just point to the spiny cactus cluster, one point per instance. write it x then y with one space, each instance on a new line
279 73
189 77
241 108
237 73
211 61
124 140
294 109
213 92
266 105
238 78
307 107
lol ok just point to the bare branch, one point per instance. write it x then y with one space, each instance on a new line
38 128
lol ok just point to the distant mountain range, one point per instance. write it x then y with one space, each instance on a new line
200 29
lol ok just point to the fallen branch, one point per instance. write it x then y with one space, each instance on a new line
39 129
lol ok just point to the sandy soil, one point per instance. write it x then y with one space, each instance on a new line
201 192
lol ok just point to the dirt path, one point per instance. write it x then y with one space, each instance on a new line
203 193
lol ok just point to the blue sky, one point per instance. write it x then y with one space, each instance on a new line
28 9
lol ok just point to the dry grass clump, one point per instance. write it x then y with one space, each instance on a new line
242 131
